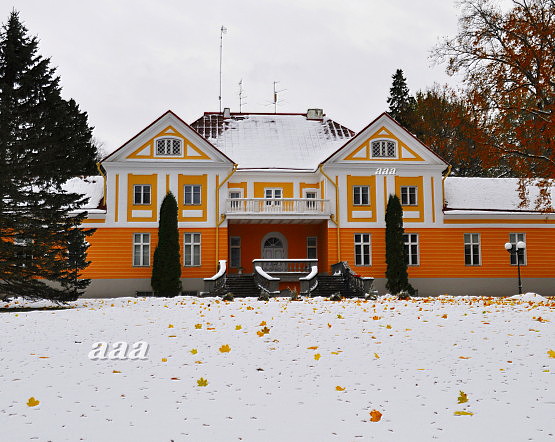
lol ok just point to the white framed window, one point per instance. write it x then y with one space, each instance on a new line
141 194
513 239
472 249
235 252
408 195
234 195
361 195
191 249
384 149
169 147
192 195
311 247
362 249
141 249
273 193
412 254
311 195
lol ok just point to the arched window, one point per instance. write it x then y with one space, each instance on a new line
169 146
384 149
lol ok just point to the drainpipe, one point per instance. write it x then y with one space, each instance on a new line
218 220
335 218
443 184
99 167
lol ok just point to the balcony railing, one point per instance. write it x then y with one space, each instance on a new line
302 206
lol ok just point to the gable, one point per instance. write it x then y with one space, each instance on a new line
189 151
364 151
169 139
384 141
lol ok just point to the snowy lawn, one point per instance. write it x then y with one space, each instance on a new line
312 370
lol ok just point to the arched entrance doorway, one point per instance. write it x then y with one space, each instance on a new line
274 246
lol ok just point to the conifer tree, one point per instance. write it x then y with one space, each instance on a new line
44 141
166 269
401 103
396 273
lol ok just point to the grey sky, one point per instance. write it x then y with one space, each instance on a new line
126 62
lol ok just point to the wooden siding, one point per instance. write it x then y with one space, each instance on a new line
111 253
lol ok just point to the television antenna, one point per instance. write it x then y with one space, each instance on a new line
242 96
223 30
276 96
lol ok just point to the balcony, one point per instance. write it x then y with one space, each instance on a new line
277 208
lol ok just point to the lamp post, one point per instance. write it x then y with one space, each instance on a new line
517 250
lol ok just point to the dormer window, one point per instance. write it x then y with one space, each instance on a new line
169 147
384 149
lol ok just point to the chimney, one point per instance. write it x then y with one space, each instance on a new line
227 112
315 114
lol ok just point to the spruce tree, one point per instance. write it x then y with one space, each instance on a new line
396 273
401 103
44 141
166 269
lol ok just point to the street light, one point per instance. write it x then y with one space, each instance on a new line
517 250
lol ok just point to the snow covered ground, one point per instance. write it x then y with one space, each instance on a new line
316 375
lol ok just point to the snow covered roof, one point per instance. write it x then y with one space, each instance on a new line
91 187
493 194
273 141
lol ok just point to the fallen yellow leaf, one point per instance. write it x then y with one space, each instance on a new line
464 357
317 356
551 353
238 327
462 397
388 326
164 359
463 413
170 326
194 351
339 388
376 355
198 325
375 416
116 371
202 382
225 348
32 402
263 323
315 347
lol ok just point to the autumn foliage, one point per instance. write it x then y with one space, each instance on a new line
507 59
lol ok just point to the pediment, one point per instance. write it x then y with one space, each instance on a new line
384 141
168 139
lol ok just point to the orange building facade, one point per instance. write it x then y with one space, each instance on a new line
301 186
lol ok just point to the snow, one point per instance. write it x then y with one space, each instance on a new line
409 360
488 194
278 141
91 187
529 297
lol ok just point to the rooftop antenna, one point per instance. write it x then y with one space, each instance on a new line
242 95
223 30
276 100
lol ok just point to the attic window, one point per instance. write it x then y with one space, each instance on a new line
169 146
384 149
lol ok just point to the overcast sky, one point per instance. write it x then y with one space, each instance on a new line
127 62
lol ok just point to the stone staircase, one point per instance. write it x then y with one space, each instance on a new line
242 286
328 285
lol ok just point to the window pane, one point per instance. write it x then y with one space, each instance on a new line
187 255
196 255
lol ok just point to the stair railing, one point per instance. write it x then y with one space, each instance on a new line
309 282
359 285
265 282
217 283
